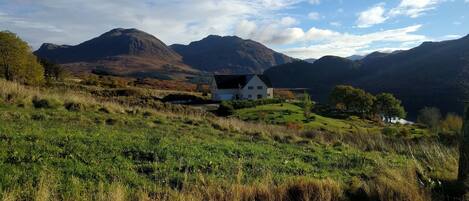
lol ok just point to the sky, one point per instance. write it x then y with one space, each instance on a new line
298 28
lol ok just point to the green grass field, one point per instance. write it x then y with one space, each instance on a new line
128 152
287 113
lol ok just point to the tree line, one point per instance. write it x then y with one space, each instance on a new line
18 63
359 102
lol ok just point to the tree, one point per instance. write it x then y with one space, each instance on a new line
52 71
452 123
307 105
429 116
387 106
17 63
352 100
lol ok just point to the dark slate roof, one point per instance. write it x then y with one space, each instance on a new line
237 81
266 80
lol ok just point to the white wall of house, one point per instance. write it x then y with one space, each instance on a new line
256 89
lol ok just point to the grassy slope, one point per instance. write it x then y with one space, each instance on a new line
145 151
78 152
287 113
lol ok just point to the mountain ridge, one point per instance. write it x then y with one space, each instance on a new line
118 51
229 54
434 74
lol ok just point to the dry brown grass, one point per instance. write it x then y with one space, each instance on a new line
397 185
387 185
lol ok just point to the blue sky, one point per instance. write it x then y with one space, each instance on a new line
299 28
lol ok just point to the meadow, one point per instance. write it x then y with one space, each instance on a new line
68 142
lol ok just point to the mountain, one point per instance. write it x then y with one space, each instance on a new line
311 60
229 54
432 74
119 51
355 57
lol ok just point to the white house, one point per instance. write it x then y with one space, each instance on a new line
233 87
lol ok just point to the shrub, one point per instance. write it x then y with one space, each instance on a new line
405 132
451 123
49 103
429 116
74 106
390 131
184 98
104 109
225 109
39 117
111 121
240 104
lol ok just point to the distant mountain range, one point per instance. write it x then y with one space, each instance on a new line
120 52
311 60
353 58
229 54
432 74
131 52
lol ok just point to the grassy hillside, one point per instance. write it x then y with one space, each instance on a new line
291 115
58 144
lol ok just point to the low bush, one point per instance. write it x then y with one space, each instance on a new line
184 98
328 111
240 104
390 131
74 106
47 103
225 109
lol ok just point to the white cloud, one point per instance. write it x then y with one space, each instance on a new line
314 15
372 16
320 34
182 21
327 42
288 21
269 32
414 8
336 24
245 28
314 2
450 36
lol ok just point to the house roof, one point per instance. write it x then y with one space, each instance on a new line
237 81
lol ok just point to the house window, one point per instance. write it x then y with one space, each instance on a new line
260 87
249 96
259 96
250 87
